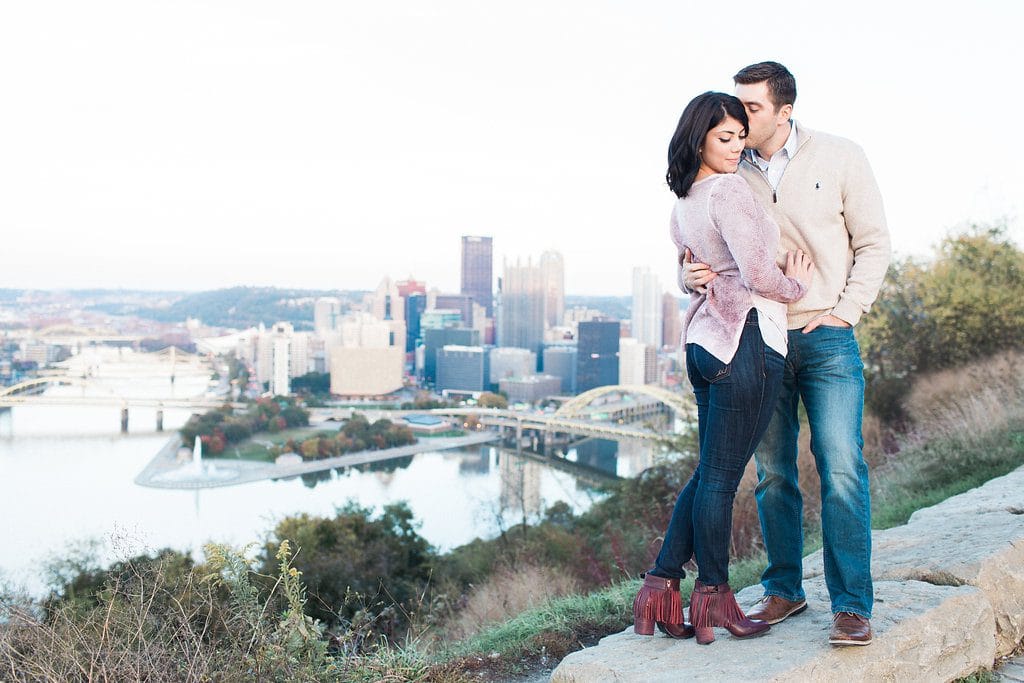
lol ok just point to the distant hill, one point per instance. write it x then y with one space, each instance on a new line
613 306
237 307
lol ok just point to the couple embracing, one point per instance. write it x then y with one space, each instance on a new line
759 338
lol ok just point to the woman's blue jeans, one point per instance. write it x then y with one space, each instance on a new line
734 404
824 369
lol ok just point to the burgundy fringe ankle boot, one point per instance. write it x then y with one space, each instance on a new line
712 606
659 603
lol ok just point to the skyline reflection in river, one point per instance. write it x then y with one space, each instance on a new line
66 476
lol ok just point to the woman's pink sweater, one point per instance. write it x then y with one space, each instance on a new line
725 227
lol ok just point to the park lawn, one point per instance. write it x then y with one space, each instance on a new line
257 447
449 433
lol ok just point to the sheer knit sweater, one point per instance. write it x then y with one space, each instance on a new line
725 227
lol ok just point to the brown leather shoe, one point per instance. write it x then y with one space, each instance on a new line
771 609
849 629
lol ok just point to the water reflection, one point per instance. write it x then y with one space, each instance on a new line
599 454
475 463
520 485
78 457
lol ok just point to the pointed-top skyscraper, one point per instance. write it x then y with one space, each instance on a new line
522 306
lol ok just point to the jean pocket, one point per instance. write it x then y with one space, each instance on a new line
710 368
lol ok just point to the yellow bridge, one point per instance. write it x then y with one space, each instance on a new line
574 416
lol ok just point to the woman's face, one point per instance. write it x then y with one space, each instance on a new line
722 147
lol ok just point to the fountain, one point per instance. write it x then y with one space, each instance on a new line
197 474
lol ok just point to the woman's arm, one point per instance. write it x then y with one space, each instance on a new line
752 238
673 231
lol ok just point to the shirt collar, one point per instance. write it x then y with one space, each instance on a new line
789 148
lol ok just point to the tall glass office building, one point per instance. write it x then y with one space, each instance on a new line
477 275
598 354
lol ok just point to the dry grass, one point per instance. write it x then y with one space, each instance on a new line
967 401
122 639
506 593
151 623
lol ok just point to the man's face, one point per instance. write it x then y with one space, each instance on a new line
764 120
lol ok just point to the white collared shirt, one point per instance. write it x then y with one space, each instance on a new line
774 168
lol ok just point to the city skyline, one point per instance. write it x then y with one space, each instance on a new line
326 145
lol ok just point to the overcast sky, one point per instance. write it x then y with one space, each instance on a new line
191 145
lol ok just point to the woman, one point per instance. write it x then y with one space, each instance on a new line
735 341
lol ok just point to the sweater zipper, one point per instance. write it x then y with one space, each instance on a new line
764 176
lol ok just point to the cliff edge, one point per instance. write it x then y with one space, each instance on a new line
949 600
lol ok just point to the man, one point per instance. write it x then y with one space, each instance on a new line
821 191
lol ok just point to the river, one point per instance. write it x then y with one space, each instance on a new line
66 478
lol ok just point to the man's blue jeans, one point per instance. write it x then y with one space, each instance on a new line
823 368
735 402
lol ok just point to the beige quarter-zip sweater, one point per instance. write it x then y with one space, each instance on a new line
828 204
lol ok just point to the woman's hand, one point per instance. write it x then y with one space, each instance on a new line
799 267
698 275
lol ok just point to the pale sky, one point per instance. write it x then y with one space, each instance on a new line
184 144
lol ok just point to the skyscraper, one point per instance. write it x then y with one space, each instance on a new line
638 363
561 362
522 307
406 288
436 336
386 302
631 361
273 357
671 320
415 305
477 276
462 368
368 357
553 268
326 312
459 302
511 362
598 354
645 321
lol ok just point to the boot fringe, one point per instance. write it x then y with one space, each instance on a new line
712 606
658 604
700 609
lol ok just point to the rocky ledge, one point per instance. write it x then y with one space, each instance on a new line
949 600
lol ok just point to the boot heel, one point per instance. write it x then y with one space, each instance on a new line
643 627
705 635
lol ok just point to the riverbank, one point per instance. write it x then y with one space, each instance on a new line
164 471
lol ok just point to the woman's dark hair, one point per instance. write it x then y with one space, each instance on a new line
704 112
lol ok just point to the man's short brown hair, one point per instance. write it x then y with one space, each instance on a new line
781 84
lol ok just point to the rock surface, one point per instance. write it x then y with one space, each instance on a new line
922 632
949 597
975 539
